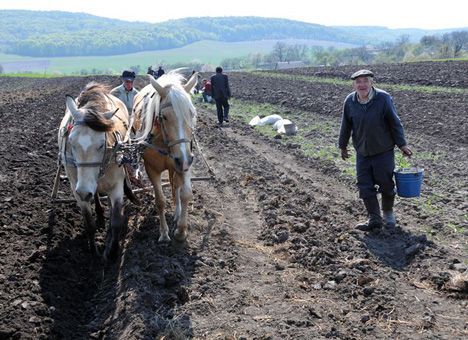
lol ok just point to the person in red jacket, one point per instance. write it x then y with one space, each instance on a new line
206 91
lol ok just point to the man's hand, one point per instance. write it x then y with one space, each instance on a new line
344 153
406 151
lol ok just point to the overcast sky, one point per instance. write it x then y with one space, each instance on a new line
430 14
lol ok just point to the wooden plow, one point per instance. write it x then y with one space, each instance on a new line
55 199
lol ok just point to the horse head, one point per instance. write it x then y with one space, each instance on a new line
176 117
87 145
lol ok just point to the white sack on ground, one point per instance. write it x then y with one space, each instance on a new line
254 121
269 120
279 126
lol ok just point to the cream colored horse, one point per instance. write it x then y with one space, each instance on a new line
87 135
165 107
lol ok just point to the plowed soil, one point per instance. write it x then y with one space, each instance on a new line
271 253
450 73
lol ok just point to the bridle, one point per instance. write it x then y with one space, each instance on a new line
109 152
168 144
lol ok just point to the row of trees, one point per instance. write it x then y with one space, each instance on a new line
449 45
54 34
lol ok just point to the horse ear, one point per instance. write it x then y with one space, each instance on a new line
73 108
191 82
110 114
161 90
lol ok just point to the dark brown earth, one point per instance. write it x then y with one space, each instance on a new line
271 252
450 73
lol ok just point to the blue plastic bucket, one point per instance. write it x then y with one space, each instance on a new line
408 182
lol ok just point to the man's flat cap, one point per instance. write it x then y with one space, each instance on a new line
128 75
362 73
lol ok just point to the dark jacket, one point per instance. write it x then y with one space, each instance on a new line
375 127
220 86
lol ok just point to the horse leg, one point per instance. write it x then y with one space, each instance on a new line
100 220
116 223
184 187
86 213
89 225
175 195
155 178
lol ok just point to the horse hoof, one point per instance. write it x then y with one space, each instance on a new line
164 238
180 236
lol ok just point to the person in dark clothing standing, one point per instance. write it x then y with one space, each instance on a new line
159 72
221 93
370 117
151 72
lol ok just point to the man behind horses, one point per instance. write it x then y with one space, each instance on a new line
370 116
126 92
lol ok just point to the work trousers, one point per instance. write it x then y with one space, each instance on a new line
222 109
375 171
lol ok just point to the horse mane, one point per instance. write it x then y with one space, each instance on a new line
93 101
180 99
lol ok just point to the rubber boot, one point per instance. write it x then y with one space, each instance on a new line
373 210
387 210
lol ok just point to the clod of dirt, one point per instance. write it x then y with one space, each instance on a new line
314 313
460 267
330 285
340 276
363 280
458 283
365 318
367 291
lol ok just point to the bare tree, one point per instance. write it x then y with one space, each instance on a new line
362 53
255 59
459 39
280 51
430 40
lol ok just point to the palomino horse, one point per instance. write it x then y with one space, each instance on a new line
165 106
87 134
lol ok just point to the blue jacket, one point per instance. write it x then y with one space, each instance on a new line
375 127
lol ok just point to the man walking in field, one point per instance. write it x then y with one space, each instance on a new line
370 117
126 92
221 93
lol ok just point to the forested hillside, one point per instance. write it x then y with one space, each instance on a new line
53 34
